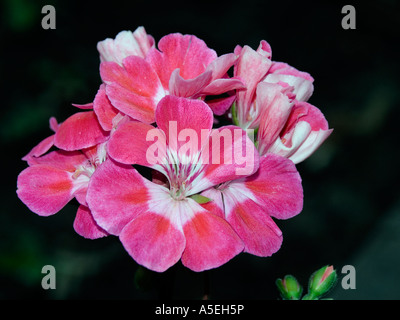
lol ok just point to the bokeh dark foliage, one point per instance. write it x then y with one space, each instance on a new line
351 210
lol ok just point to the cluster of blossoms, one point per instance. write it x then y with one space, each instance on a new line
213 191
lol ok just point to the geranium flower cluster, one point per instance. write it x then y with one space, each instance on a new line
213 191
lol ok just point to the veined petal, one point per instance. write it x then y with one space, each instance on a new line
44 190
276 187
40 149
260 234
312 143
124 195
129 90
104 110
220 105
86 106
210 241
174 115
181 87
185 52
301 81
133 143
81 130
274 108
220 86
62 160
251 67
85 225
229 155
125 44
153 241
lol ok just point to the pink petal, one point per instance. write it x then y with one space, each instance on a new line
216 205
275 108
86 106
301 81
180 87
303 111
252 223
104 110
276 187
174 115
129 91
40 149
62 160
85 225
230 155
123 148
221 65
116 195
310 145
125 44
81 130
221 105
53 124
251 67
153 241
210 241
220 86
44 190
185 52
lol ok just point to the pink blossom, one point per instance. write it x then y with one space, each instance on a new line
275 104
53 180
160 224
125 44
290 128
249 203
182 65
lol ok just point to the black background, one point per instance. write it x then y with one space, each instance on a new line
351 184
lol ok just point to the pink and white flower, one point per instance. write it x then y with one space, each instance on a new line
53 180
161 224
182 65
275 104
125 44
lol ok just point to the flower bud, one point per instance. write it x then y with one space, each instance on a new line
321 281
289 288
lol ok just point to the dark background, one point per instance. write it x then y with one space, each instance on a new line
351 184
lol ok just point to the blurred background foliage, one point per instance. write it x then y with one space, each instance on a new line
351 212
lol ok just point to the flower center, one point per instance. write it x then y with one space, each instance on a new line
181 171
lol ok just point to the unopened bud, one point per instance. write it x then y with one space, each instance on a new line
289 288
321 281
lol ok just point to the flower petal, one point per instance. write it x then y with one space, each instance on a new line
252 223
122 148
301 81
220 105
175 114
181 87
85 225
124 195
229 155
44 190
104 110
125 44
153 241
129 91
275 107
185 52
40 149
276 187
81 130
210 241
62 160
